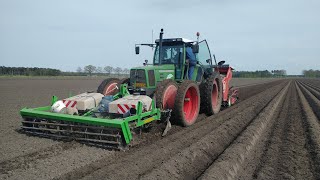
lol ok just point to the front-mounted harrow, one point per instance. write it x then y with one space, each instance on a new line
111 131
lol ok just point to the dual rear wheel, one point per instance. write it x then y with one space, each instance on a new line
184 100
211 94
187 103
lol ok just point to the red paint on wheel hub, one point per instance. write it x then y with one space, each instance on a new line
111 89
191 105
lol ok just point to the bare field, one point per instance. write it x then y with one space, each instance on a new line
273 132
240 82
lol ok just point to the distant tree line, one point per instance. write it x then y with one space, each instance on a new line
108 70
26 71
311 73
259 74
88 70
91 70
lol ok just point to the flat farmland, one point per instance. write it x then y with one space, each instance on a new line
273 132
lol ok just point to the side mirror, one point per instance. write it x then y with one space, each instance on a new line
137 49
195 48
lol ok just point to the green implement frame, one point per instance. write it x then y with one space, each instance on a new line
32 117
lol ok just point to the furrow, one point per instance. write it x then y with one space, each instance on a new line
312 126
235 158
192 161
313 101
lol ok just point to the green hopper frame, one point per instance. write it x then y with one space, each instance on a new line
137 120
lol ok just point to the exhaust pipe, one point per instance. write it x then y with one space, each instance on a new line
160 46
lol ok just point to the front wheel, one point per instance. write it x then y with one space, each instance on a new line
187 103
109 86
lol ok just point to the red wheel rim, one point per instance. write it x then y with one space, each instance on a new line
111 89
191 105
169 97
214 95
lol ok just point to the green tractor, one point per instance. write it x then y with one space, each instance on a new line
170 83
181 81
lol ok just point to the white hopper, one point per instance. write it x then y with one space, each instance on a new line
84 101
123 105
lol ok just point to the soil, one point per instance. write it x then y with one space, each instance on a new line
272 132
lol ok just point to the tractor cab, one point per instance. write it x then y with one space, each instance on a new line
174 52
170 61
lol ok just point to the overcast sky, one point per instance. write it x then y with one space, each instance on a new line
248 34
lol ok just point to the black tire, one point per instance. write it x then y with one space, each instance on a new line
161 92
105 84
210 84
186 113
124 81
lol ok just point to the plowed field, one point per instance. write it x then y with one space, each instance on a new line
273 132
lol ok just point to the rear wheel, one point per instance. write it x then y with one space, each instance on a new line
211 94
109 86
165 94
187 103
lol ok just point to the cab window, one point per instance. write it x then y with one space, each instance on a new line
170 54
204 53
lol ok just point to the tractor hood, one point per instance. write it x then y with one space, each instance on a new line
157 67
148 76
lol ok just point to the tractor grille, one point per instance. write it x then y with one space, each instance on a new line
151 78
138 77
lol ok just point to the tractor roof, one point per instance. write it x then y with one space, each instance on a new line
184 40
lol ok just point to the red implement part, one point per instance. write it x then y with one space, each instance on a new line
234 96
229 95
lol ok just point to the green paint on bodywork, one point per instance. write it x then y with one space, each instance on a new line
161 72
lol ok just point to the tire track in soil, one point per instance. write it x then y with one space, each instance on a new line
312 128
285 154
28 160
238 160
51 167
143 161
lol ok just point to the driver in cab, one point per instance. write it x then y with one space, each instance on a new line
191 60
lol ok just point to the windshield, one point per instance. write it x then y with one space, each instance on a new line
170 54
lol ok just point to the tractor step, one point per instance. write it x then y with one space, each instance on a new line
100 136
